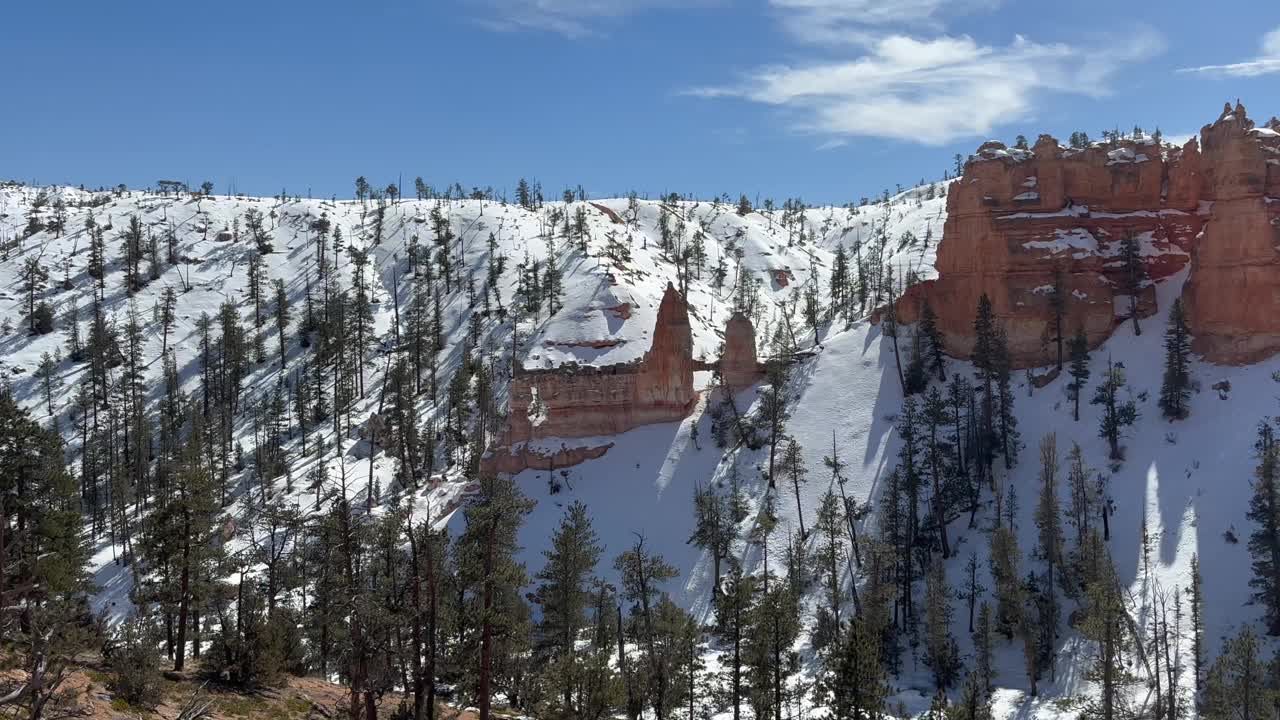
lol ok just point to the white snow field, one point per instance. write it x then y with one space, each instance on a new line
1189 480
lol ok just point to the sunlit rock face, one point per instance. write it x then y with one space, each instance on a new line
1022 221
1232 293
574 401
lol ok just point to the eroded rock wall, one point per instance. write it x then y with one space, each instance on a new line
1232 295
1020 220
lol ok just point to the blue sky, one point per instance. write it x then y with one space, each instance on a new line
826 100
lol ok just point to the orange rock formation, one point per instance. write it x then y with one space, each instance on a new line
573 401
1018 219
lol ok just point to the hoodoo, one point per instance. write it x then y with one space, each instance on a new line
576 401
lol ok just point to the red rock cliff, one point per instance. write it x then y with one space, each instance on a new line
1018 218
1232 294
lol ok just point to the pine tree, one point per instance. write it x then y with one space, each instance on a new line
1195 595
1007 421
1079 349
1083 501
794 469
733 606
489 571
642 574
564 593
1135 275
1058 306
33 283
1239 686
1106 624
934 345
1049 524
282 315
1175 391
1005 558
714 530
982 651
936 416
1264 542
1116 413
774 413
973 703
47 375
985 361
853 683
942 656
43 565
831 553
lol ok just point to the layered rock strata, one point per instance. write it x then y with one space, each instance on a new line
1021 222
575 401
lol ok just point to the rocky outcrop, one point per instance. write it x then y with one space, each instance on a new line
574 401
522 457
1021 221
1232 295
739 367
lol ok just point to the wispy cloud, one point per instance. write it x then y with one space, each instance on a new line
837 22
571 18
934 90
1266 62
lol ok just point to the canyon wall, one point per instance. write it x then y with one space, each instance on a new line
1020 221
1232 295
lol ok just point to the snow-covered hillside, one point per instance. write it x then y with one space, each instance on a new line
741 259
1189 481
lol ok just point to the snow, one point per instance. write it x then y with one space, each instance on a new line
1188 480
1078 239
1029 195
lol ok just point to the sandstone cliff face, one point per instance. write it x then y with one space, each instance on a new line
1019 219
1232 295
574 402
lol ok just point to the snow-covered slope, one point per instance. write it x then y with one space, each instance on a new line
1189 480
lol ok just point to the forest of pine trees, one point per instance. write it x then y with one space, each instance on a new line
367 590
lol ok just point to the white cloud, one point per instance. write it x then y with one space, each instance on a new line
1267 61
835 22
932 91
571 18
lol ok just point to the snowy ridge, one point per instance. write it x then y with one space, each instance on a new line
1189 481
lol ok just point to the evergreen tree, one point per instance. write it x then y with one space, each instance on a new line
491 575
1007 421
282 315
1049 523
934 345
564 593
1079 349
982 651
794 469
1135 275
1195 595
43 565
942 656
733 606
1106 624
642 574
1239 685
1116 413
1005 558
1175 391
1264 542
853 683
831 552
